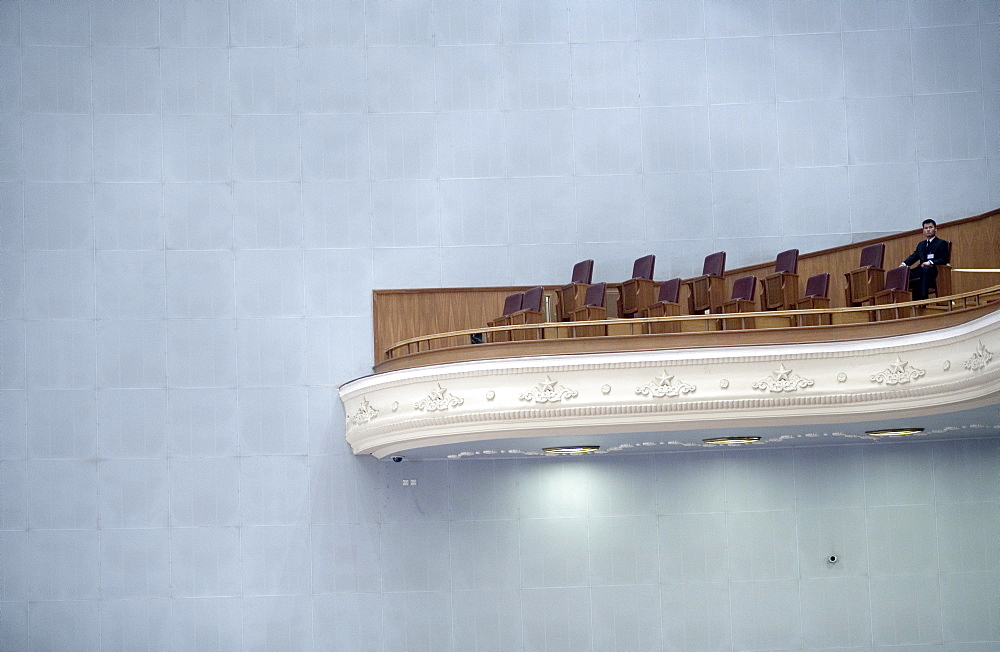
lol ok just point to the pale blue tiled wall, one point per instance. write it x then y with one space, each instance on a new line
197 198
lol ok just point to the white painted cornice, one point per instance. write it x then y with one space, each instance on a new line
681 391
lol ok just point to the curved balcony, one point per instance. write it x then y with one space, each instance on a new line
446 386
928 364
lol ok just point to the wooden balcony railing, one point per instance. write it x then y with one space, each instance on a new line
690 331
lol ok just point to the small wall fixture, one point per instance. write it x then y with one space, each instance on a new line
894 432
570 450
731 441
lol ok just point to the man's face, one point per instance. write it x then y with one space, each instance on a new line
929 231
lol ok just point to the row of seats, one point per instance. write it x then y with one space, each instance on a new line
519 308
870 284
583 300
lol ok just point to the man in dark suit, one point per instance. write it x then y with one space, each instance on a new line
930 253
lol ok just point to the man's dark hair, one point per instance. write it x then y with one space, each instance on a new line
926 222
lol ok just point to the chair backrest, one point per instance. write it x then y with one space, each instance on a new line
532 299
670 291
595 295
513 303
643 267
818 286
897 278
787 262
583 272
873 255
715 264
744 288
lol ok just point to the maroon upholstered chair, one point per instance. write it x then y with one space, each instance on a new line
896 280
511 304
667 304
714 265
570 297
745 288
787 262
897 290
817 287
593 308
707 292
530 313
637 292
873 255
643 267
532 299
780 289
817 296
670 291
868 278
744 291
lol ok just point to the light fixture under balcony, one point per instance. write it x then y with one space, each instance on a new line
730 441
894 432
571 450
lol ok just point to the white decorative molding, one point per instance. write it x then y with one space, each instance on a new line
500 415
782 380
438 400
548 391
665 385
897 373
364 414
979 359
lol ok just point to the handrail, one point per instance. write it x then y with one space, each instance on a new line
711 323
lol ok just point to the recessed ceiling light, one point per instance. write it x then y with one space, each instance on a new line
731 441
894 432
571 450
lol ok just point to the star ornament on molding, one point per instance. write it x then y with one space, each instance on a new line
897 373
979 359
439 400
782 380
664 385
364 414
548 391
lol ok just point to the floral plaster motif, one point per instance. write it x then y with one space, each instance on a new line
897 373
782 380
439 400
979 359
364 414
548 391
665 385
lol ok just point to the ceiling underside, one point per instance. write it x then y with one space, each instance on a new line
963 424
